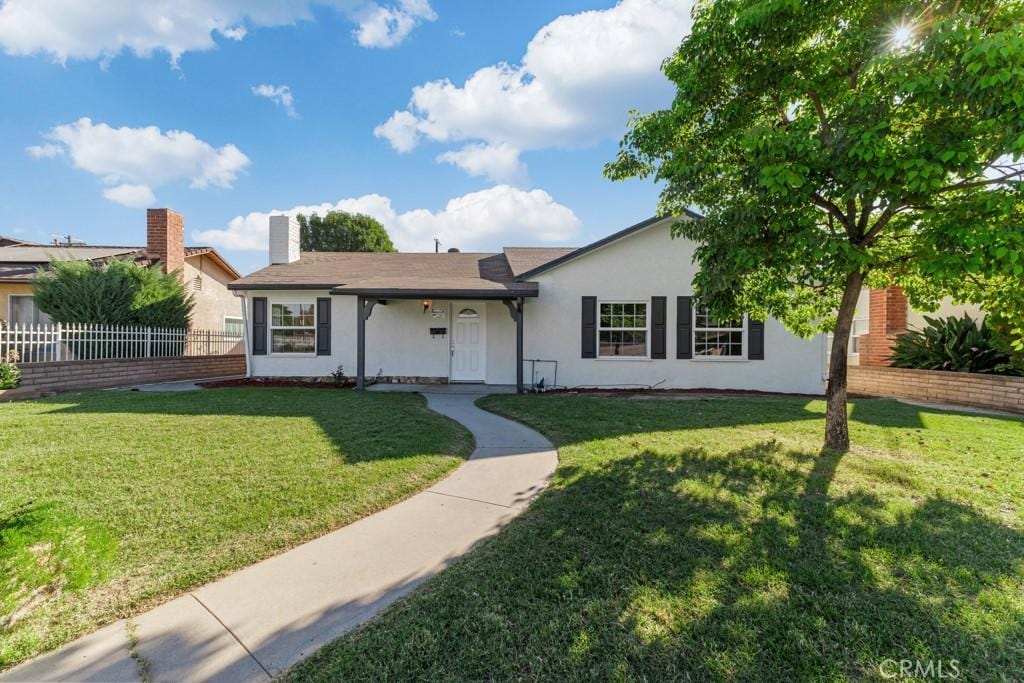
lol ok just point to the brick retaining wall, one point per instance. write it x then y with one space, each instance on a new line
957 388
37 378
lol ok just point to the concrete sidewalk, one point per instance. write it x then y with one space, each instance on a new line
259 621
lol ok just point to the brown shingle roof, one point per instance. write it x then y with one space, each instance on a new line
393 274
47 253
6 241
523 259
19 262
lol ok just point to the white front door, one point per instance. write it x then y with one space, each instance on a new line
469 342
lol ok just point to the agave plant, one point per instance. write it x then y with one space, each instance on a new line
952 344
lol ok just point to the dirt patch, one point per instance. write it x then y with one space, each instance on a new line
261 382
675 394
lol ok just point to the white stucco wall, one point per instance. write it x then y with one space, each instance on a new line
398 340
916 321
645 264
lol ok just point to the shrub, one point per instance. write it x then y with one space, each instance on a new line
117 293
952 344
339 376
10 374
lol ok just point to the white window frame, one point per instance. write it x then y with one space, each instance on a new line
241 322
10 308
271 327
744 339
647 330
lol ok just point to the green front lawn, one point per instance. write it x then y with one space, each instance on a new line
709 540
112 501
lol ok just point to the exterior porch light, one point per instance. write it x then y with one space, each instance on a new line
427 303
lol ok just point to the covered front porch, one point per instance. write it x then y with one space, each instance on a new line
480 333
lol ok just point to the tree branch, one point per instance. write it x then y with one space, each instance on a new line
829 206
883 220
968 184
865 216
826 130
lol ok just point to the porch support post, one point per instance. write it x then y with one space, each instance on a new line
364 307
515 309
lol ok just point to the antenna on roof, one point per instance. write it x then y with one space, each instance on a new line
437 246
65 240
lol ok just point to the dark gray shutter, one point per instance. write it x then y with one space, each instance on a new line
259 326
588 331
323 326
684 327
755 339
659 320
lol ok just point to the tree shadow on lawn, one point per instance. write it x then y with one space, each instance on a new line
690 566
361 427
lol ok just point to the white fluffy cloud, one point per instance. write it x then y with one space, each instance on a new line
100 29
47 151
279 94
499 163
134 160
578 79
479 221
135 196
382 26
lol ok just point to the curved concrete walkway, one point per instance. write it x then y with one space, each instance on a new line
259 621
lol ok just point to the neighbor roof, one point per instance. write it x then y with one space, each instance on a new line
45 254
19 263
6 241
394 275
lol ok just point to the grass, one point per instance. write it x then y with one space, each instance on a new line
712 540
114 501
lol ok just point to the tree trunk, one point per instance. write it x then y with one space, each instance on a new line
837 430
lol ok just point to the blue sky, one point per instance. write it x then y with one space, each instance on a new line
482 123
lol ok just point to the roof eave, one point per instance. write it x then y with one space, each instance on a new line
435 293
248 286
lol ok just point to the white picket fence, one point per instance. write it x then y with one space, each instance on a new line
73 341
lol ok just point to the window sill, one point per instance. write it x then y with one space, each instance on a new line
284 354
634 359
719 359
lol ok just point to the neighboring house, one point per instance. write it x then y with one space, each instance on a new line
884 314
616 313
204 272
13 242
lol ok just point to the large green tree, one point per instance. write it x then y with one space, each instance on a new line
343 231
836 143
118 292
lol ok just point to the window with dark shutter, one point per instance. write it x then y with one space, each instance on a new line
259 326
588 329
323 326
659 320
755 339
684 327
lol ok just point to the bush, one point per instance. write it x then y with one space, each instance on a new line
117 293
10 375
339 376
952 344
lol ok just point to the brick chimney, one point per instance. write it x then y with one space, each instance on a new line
887 319
165 238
